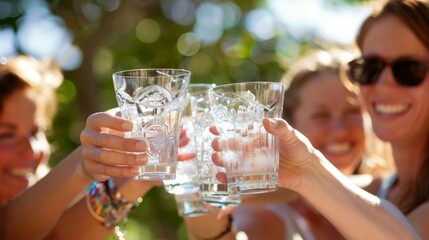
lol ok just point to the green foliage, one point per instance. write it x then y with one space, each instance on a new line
111 41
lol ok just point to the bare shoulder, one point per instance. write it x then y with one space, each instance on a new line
419 218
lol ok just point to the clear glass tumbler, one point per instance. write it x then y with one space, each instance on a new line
250 153
212 190
154 99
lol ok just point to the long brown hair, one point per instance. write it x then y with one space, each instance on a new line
415 14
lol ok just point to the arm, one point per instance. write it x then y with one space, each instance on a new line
254 222
355 213
43 204
209 226
78 223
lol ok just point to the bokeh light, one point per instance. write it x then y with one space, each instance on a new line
188 44
7 46
232 14
200 64
47 36
180 11
209 22
103 62
148 30
261 24
233 46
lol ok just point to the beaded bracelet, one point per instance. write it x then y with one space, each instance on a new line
106 204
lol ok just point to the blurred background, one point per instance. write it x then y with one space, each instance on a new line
219 41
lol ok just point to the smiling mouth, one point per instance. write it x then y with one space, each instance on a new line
338 148
21 172
390 109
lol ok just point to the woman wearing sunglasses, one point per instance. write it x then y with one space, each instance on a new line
392 79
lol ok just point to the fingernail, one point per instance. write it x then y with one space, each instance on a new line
141 145
127 125
273 123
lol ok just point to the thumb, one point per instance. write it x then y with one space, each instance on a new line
288 136
278 127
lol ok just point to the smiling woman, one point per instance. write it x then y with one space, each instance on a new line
23 144
56 203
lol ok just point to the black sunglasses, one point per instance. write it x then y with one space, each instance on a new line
407 72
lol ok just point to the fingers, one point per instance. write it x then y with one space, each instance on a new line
214 130
114 112
218 159
183 156
105 120
221 176
106 140
184 139
101 163
277 126
106 153
109 157
103 171
288 136
217 144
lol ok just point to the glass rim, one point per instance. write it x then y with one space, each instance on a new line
246 83
124 73
223 89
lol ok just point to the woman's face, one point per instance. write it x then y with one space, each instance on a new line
399 113
22 146
330 116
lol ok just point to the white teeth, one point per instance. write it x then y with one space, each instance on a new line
21 172
338 148
390 109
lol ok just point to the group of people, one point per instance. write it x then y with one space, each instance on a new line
324 143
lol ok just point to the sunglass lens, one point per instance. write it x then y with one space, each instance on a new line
355 70
365 71
409 72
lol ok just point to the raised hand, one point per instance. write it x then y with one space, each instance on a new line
296 152
295 149
106 152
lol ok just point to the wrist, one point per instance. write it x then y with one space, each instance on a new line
106 203
319 174
305 175
80 170
131 190
226 230
219 228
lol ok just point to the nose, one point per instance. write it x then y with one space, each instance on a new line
339 126
386 77
28 148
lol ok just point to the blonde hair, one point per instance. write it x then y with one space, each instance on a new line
42 77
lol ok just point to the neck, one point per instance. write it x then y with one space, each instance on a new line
408 159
